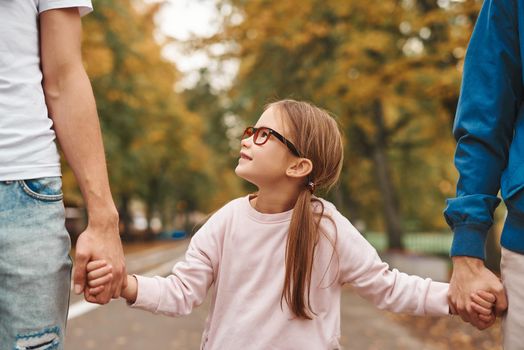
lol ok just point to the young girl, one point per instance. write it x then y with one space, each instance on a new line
277 260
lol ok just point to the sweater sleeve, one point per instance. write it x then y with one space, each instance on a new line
488 105
187 285
388 289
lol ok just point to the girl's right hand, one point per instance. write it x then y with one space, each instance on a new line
98 275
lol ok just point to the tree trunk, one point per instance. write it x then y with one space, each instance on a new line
125 218
383 172
149 218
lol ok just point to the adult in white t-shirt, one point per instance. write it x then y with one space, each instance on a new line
44 91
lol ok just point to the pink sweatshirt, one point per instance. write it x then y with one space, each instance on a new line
239 253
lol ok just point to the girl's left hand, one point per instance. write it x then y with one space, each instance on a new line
483 303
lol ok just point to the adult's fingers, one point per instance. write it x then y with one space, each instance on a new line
122 282
463 312
123 285
119 288
89 297
104 297
452 309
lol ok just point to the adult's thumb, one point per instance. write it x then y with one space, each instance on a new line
501 305
79 276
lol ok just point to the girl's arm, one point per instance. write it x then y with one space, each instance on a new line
188 283
185 287
394 290
388 289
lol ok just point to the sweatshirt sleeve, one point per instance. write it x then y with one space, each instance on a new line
187 285
388 289
488 105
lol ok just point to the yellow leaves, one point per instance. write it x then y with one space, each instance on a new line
98 61
450 332
115 95
155 137
195 148
97 57
150 136
375 40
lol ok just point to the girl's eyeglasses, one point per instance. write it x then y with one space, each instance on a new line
261 135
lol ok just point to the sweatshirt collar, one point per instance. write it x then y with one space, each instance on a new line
263 217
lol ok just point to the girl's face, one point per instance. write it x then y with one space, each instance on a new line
265 165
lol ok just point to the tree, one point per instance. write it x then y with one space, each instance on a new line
390 70
153 142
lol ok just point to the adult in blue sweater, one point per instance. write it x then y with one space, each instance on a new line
489 129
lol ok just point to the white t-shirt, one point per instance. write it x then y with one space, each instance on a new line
27 140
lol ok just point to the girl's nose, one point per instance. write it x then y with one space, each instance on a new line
247 141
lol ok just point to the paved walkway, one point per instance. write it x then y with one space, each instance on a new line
115 326
365 327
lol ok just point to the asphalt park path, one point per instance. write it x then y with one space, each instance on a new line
116 326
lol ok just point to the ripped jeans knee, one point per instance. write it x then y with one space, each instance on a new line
46 339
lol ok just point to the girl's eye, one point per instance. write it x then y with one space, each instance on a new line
264 133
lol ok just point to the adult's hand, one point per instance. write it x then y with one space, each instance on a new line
469 276
100 242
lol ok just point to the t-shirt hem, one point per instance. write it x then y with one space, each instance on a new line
24 173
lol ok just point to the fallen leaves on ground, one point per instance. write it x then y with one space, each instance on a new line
451 332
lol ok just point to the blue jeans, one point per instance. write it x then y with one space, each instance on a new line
35 267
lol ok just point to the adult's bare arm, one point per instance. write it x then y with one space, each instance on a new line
470 275
70 101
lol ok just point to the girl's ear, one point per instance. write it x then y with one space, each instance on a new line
300 168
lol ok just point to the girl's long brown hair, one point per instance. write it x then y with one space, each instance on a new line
317 136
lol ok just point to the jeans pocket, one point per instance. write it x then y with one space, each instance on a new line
48 189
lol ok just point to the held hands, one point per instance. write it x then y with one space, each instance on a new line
99 274
483 303
100 241
471 283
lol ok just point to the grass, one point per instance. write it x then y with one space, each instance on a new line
422 242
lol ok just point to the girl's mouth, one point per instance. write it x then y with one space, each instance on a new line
244 156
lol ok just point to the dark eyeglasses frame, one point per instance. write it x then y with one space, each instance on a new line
252 131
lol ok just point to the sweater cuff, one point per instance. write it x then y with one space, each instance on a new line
469 240
148 297
437 299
